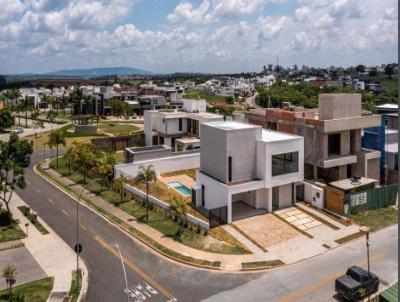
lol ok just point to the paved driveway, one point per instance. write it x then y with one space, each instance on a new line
28 269
298 218
267 230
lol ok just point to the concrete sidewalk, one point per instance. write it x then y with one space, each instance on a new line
54 256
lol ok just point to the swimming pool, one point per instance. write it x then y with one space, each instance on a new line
185 191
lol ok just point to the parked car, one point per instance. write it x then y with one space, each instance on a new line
19 130
355 284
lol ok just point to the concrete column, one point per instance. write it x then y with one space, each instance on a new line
269 207
229 203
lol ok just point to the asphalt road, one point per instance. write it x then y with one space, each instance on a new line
106 282
309 280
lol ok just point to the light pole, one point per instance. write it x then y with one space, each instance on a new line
78 247
366 230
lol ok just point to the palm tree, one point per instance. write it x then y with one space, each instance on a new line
9 273
104 167
146 175
180 208
86 159
70 157
57 138
26 105
119 182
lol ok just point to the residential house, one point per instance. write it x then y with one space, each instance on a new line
165 126
246 170
332 136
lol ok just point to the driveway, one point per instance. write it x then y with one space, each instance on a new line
28 269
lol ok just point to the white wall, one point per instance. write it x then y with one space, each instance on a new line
171 125
193 105
150 123
161 165
285 195
215 194
265 150
310 195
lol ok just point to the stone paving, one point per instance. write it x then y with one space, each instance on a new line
298 218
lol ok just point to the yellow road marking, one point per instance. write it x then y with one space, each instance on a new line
37 190
135 268
83 227
297 295
65 212
50 200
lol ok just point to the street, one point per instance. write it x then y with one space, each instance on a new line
154 278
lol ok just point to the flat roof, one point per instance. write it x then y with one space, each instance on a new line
272 136
188 140
347 184
231 125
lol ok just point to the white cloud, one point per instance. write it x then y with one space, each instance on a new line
9 8
270 27
227 8
341 8
302 14
186 12
391 13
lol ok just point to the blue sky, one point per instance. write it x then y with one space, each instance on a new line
194 35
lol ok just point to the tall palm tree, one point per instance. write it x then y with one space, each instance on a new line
180 208
70 156
57 138
26 105
86 159
104 167
9 273
119 182
146 175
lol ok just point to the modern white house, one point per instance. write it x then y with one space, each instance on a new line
165 126
245 168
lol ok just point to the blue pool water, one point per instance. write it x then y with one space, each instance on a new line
185 191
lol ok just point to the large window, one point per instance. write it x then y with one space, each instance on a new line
285 163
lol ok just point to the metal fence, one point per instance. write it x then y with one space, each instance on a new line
372 199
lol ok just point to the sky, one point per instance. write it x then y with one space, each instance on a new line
166 36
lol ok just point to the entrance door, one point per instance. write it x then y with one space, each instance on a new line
300 192
275 198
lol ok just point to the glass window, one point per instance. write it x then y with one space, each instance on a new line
285 163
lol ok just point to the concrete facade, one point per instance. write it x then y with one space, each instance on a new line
332 136
236 165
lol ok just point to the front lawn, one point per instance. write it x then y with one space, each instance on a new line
11 232
73 291
376 219
36 291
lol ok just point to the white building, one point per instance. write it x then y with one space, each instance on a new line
244 168
163 127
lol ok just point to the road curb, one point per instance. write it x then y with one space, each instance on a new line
85 281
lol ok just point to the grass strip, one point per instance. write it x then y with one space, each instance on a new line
349 237
73 291
36 291
261 264
30 217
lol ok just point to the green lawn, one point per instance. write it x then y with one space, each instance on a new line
73 292
261 264
36 291
11 232
37 224
117 128
376 219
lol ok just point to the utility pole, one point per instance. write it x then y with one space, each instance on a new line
366 230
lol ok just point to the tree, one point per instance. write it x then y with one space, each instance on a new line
229 100
26 105
146 175
389 70
104 167
15 156
51 116
6 119
85 158
360 68
70 156
180 208
119 183
373 72
9 274
57 138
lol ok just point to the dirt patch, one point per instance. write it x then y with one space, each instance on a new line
267 230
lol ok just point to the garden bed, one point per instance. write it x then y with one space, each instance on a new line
261 264
11 232
376 219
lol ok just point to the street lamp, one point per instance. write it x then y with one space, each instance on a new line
366 230
124 270
78 247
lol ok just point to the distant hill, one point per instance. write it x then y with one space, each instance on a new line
82 73
99 72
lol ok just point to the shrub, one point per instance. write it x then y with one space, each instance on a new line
5 218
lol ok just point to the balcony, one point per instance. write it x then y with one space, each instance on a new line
337 160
